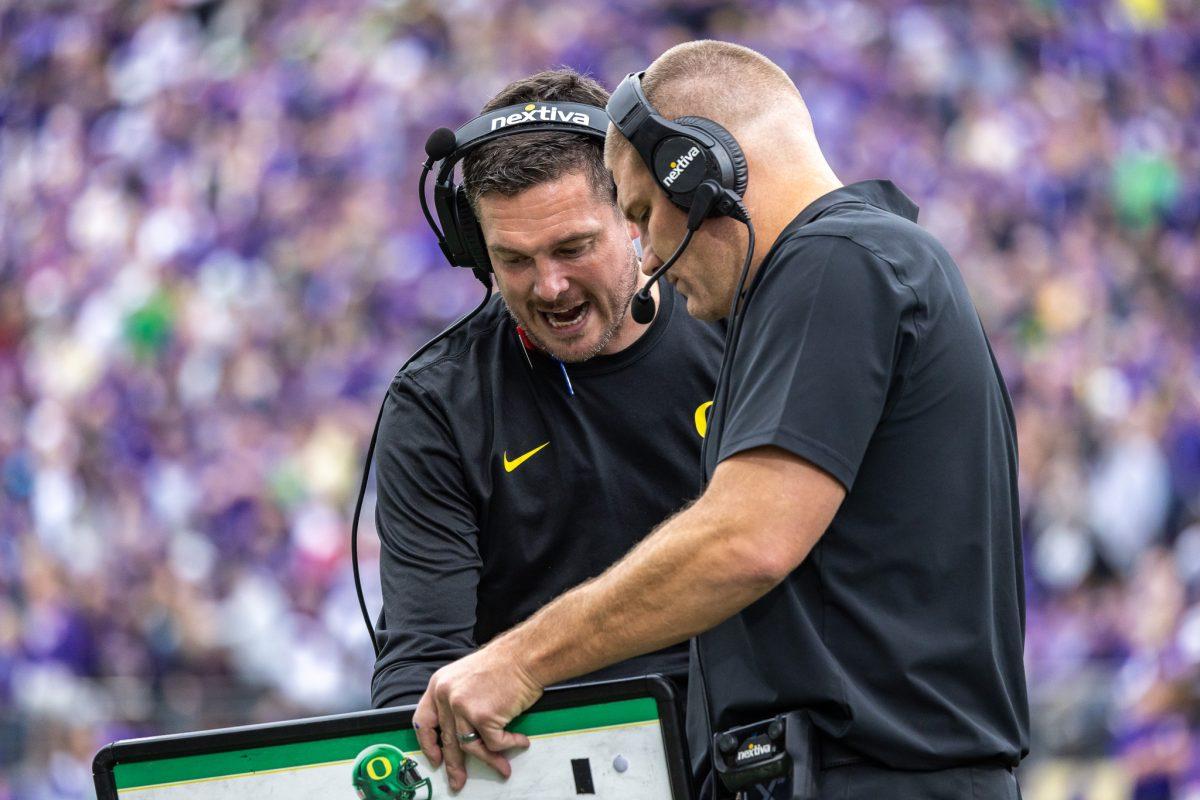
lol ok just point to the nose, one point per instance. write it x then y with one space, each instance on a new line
650 261
551 282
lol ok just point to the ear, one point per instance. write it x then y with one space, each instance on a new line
481 215
633 230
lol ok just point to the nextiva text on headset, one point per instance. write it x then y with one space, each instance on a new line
460 237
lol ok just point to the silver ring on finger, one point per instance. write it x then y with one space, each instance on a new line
467 738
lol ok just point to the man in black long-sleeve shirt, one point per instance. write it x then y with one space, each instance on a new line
522 455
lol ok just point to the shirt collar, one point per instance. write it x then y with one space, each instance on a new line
881 194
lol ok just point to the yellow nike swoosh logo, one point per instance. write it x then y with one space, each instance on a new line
509 466
701 418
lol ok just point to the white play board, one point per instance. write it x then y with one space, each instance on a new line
612 740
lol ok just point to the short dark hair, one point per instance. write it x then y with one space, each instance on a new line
512 164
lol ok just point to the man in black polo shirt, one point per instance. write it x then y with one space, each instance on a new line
531 449
856 553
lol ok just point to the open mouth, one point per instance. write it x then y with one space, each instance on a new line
567 318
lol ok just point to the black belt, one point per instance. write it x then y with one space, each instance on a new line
791 748
833 753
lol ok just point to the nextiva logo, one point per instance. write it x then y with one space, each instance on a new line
680 164
543 113
754 751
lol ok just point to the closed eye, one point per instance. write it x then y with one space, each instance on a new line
576 248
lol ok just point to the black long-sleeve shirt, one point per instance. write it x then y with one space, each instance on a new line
499 490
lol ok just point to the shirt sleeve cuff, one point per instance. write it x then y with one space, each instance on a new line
812 451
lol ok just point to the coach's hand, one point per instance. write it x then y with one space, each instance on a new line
480 693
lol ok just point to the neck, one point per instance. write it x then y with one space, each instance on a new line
782 199
789 172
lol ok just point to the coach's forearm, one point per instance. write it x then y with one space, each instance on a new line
696 570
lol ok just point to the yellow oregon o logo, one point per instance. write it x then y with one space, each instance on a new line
702 418
530 107
387 768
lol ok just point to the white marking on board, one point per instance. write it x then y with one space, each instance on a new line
543 772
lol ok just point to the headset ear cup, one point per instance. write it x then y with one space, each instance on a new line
726 140
469 231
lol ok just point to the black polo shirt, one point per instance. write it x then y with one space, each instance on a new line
902 631
502 482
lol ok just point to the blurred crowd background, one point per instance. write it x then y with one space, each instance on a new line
212 262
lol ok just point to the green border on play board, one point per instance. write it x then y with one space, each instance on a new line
140 774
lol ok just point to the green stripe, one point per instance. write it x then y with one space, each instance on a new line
240 762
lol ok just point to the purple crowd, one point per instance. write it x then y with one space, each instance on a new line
212 261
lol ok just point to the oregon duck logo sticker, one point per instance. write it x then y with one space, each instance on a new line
382 772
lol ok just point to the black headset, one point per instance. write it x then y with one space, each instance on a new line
682 154
460 237
702 169
694 160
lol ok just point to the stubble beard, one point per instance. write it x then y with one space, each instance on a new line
619 301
